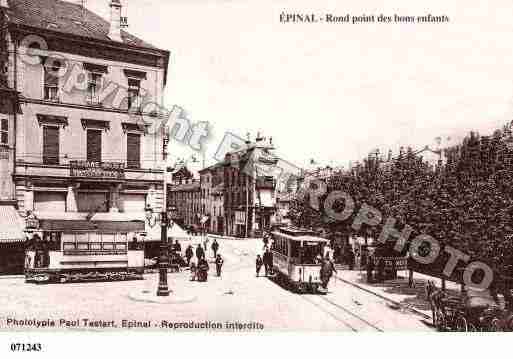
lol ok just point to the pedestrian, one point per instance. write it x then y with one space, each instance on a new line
202 270
200 253
266 241
268 262
189 253
370 269
327 269
205 243
350 258
194 268
259 264
219 264
178 248
215 247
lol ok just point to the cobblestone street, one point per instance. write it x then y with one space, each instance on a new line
238 296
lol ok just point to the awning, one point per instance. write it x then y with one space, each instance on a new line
53 225
12 225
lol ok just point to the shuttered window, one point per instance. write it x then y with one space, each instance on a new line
4 131
51 85
94 145
133 148
50 145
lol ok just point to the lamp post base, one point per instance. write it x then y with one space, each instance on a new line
148 296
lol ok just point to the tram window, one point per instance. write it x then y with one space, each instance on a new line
69 241
310 253
82 241
108 237
52 240
294 249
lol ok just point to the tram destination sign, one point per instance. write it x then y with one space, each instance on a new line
91 169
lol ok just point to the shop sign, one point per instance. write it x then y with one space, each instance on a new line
91 169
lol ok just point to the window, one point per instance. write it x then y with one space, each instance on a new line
50 145
93 88
134 89
51 82
133 150
94 145
4 131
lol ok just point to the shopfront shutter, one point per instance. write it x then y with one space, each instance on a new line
94 145
133 147
50 145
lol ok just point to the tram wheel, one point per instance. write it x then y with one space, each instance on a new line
495 325
461 324
440 321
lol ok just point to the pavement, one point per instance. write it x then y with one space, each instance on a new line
236 301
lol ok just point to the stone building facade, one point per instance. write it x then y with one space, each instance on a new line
85 141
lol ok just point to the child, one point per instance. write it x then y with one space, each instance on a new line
259 264
193 268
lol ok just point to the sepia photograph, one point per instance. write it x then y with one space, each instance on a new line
255 167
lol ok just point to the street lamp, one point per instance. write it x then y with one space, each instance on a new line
165 222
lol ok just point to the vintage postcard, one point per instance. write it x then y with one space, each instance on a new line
255 167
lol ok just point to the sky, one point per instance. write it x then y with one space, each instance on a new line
332 92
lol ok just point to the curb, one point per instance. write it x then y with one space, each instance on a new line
423 315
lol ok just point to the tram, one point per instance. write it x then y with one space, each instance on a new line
99 253
296 254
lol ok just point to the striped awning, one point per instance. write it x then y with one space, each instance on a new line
12 225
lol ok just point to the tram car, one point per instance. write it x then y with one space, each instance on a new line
296 254
83 256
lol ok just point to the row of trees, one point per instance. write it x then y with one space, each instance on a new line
465 202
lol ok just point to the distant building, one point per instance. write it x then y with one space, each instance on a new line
250 189
212 197
186 198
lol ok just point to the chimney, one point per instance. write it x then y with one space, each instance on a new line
115 20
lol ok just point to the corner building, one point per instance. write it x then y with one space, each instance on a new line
87 160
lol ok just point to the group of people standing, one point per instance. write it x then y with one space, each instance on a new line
265 261
197 261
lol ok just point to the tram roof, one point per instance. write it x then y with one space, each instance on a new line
301 238
295 231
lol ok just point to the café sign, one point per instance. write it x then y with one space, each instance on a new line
91 169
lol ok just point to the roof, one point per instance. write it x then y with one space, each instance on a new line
68 18
13 226
195 186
